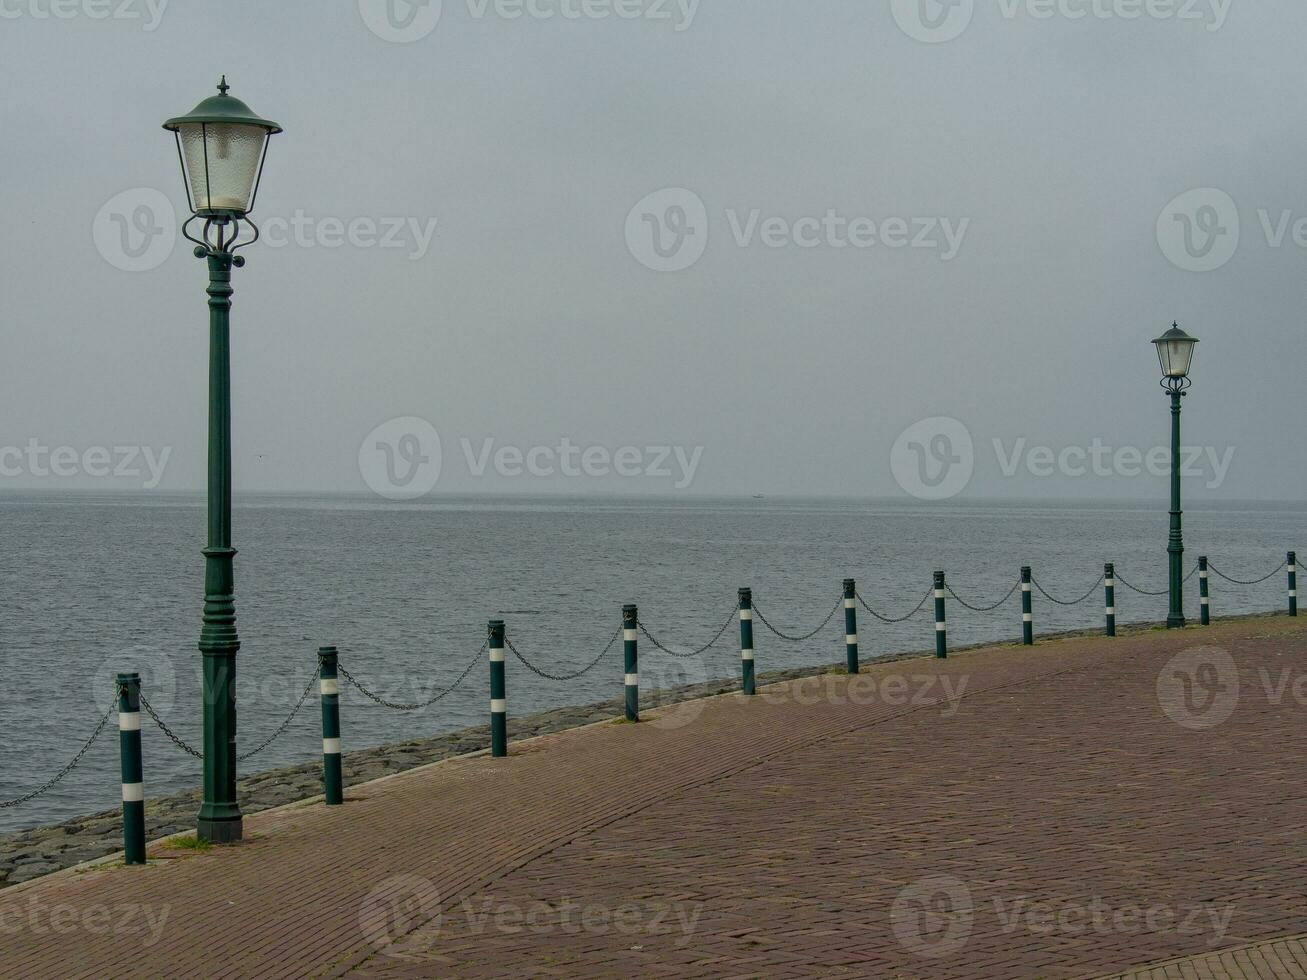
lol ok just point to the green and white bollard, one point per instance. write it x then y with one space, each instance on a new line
1293 583
746 641
1109 596
630 646
498 693
333 786
129 761
1204 598
1027 609
941 623
851 624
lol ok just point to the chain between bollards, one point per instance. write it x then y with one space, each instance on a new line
1109 597
851 625
129 760
333 787
1027 609
498 693
746 642
941 622
631 653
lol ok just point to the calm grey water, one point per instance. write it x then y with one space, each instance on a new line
94 584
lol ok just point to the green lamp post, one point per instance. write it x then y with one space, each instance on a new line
221 146
1175 351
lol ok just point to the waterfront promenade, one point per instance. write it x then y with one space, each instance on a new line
1086 807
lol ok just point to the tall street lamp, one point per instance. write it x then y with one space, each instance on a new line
1175 351
221 145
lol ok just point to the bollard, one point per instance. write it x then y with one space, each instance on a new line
1204 598
746 641
851 624
129 761
941 625
1293 583
498 695
630 619
1109 596
333 787
1027 610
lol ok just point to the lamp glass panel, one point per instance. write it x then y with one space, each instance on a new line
233 157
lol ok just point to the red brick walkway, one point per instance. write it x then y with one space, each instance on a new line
1055 821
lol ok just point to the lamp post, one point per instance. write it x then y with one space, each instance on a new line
221 146
1175 351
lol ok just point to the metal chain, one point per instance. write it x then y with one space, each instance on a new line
1075 602
149 710
1139 590
285 724
396 706
896 619
807 636
1010 594
49 784
563 677
692 653
1256 581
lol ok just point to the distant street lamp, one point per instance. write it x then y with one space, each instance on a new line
1175 351
221 145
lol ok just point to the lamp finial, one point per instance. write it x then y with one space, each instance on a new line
223 86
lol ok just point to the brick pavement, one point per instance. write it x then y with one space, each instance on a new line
1052 822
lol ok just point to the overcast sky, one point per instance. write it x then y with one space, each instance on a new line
979 222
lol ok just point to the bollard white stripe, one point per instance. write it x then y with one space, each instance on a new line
498 706
328 686
496 656
133 792
851 639
632 680
939 593
331 746
1293 593
1025 586
1204 601
1027 617
848 604
1111 610
746 654
1110 583
1202 575
630 636
941 626
129 721
746 614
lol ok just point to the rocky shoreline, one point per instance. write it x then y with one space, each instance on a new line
38 851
